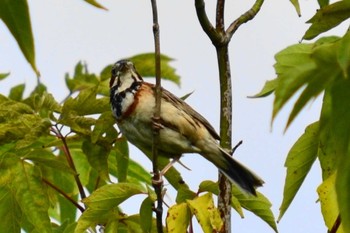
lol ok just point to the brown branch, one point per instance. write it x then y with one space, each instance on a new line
69 158
336 225
60 191
247 16
157 184
220 20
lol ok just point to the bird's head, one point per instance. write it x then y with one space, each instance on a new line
123 74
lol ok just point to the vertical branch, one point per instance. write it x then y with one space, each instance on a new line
156 118
221 39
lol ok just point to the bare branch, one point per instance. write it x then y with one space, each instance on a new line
220 16
247 16
207 27
156 118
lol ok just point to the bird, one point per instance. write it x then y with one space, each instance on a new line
181 128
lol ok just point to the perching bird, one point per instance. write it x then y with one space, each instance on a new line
182 130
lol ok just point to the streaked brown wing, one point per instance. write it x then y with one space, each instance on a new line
190 111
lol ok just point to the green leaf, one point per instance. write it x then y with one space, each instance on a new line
110 196
258 205
207 214
10 212
136 171
104 128
122 157
3 75
296 6
81 79
343 54
97 156
92 217
268 88
327 18
17 19
16 92
145 65
184 194
27 188
146 215
95 4
328 199
178 218
323 3
340 116
299 161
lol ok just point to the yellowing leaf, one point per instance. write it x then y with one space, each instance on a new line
178 218
207 214
329 205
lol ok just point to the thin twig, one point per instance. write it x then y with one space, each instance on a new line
60 191
247 16
69 158
220 20
336 225
156 118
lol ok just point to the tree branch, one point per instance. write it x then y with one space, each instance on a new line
207 27
220 20
247 16
157 184
70 162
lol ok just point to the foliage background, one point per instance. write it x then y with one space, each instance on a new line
68 31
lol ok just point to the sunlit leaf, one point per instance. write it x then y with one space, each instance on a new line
110 196
91 217
299 161
327 18
10 213
81 79
17 19
104 128
122 157
145 65
207 214
328 199
178 218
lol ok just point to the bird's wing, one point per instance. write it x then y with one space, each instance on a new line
168 96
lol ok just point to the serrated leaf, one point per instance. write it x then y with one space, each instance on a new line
328 199
296 6
16 92
178 218
327 18
258 205
97 156
4 75
17 19
145 65
207 214
110 196
146 211
95 4
268 88
299 161
81 79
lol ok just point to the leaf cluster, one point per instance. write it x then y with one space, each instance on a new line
308 70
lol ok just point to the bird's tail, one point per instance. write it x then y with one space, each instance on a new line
235 171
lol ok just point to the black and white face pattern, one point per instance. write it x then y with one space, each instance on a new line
124 83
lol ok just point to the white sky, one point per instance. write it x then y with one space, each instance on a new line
67 31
